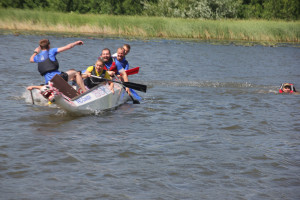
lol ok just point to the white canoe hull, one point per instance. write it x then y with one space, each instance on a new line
93 101
98 99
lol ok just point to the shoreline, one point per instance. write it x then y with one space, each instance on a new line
17 32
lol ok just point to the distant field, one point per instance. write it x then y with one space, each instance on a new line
149 27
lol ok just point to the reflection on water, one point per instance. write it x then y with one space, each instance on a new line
211 120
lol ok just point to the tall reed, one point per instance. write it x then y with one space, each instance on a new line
141 26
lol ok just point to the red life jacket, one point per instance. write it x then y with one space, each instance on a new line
292 88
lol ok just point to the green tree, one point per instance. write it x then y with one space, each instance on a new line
30 4
12 3
178 8
132 7
252 9
281 9
225 8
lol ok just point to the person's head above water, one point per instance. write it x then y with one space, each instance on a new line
287 88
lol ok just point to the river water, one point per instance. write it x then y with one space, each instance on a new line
211 125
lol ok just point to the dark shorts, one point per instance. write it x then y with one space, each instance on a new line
65 76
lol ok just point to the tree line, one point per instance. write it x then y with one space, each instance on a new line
203 9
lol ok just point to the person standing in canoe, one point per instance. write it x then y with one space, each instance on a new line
48 64
97 70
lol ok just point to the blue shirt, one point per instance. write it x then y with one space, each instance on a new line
122 65
42 56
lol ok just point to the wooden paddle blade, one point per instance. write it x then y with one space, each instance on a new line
135 86
63 86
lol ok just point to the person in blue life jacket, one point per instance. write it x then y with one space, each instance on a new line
97 70
48 65
127 48
121 62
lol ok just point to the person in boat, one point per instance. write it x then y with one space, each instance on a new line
97 70
121 62
126 47
110 63
44 90
48 64
288 88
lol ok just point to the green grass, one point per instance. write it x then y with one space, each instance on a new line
148 27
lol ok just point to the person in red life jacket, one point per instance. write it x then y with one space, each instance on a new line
48 64
97 70
108 61
288 88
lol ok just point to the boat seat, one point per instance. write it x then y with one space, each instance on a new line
63 86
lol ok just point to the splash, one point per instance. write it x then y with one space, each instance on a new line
34 97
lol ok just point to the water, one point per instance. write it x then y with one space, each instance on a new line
211 125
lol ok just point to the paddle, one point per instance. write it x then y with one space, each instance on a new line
133 100
135 95
135 86
31 97
128 72
132 71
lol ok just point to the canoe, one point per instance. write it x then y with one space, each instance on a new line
97 99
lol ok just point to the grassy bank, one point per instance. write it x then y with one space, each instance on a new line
137 26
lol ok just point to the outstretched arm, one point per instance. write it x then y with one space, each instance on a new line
34 87
69 46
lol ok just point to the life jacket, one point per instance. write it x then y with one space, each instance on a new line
110 65
292 88
92 82
47 66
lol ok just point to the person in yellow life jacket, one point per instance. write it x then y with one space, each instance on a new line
288 88
97 70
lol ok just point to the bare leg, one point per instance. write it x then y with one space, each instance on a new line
72 74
